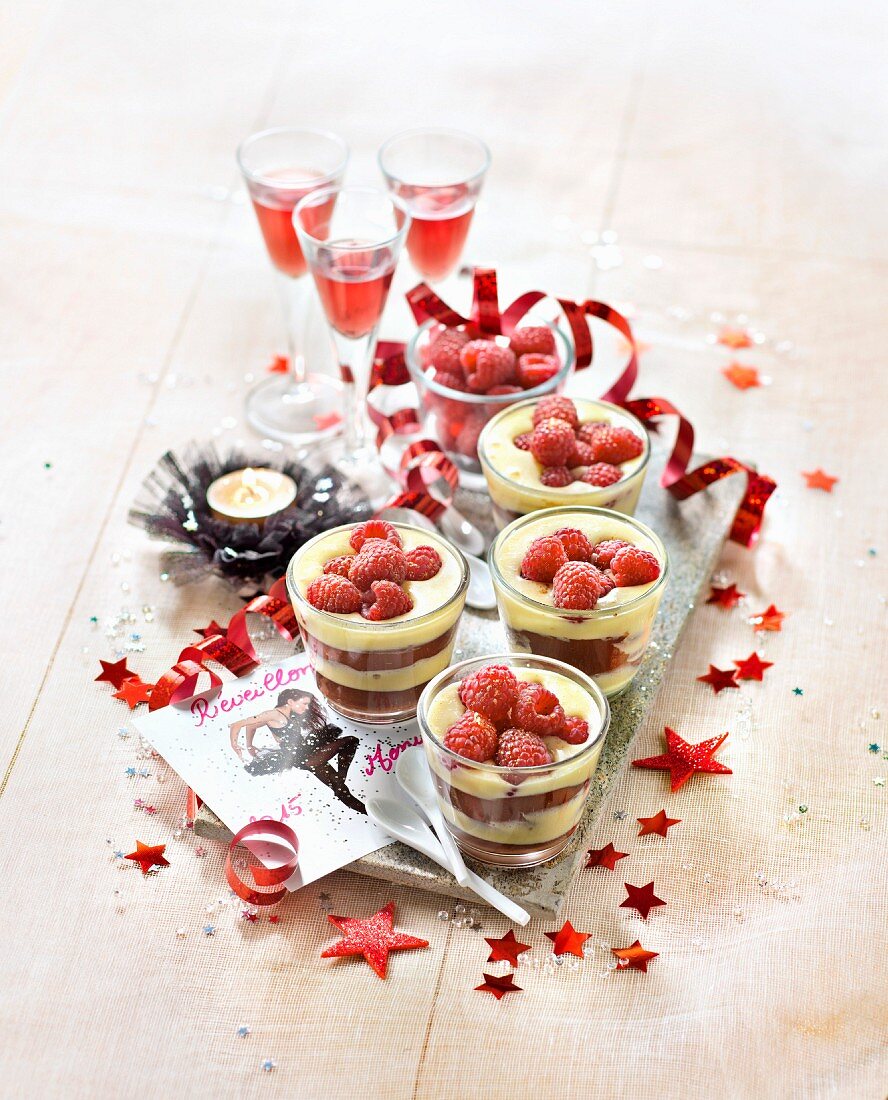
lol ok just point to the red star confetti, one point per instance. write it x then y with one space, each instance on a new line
633 957
279 365
113 672
247 914
769 619
273 919
506 949
212 628
373 938
725 597
604 857
659 824
326 420
499 987
720 678
148 856
567 940
817 479
134 691
731 337
743 377
683 759
641 898
752 667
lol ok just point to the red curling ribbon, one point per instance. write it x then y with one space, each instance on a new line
262 876
275 605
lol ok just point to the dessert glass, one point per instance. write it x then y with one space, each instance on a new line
513 817
374 672
607 643
513 476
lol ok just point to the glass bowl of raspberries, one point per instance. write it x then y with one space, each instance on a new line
464 379
512 742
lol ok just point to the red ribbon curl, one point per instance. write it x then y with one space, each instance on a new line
263 876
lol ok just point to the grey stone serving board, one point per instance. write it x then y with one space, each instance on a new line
694 532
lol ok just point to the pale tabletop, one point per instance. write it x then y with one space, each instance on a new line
738 152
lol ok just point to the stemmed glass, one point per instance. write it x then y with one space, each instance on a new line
351 238
437 174
280 167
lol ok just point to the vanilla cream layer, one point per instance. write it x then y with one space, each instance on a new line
393 679
437 603
611 617
513 475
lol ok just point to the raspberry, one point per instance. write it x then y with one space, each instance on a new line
519 748
582 455
389 600
587 432
451 380
543 559
632 565
533 338
466 442
575 586
445 348
556 477
522 442
491 692
616 445
423 563
575 730
378 561
606 583
556 407
374 529
552 442
340 566
497 390
601 474
576 545
537 710
473 737
534 369
334 593
603 552
486 365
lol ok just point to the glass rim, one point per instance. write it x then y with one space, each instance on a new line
595 612
553 492
420 378
321 194
447 131
277 131
529 660
385 624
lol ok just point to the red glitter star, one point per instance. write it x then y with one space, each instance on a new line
769 619
732 337
567 940
817 479
148 856
499 987
273 919
725 597
752 668
279 365
604 857
634 957
506 949
683 759
373 938
247 915
720 678
741 376
641 898
212 628
659 824
114 672
134 691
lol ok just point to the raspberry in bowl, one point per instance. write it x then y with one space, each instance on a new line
555 450
378 606
513 743
581 585
463 380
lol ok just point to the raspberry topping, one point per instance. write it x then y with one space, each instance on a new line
491 692
331 592
603 552
576 587
632 565
522 442
535 369
452 380
473 737
445 348
389 600
588 431
576 545
601 474
575 730
552 442
556 477
533 338
496 390
616 445
542 560
374 529
556 407
378 561
486 365
423 563
538 711
582 455
519 748
340 566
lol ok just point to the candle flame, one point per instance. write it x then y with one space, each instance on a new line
251 490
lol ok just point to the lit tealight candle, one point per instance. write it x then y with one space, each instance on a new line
250 495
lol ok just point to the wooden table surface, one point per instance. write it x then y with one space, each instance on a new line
738 154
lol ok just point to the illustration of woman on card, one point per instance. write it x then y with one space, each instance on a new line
304 739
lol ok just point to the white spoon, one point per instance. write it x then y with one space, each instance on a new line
405 824
412 772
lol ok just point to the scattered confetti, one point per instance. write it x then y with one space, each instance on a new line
797 691
752 667
268 1065
743 377
200 851
372 937
209 930
641 898
817 479
719 678
657 825
148 856
567 941
769 619
620 815
279 365
506 948
683 759
114 673
604 857
879 781
249 915
736 338
499 987
633 957
874 747
725 597
211 629
244 1030
134 691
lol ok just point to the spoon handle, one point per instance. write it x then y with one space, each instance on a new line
445 839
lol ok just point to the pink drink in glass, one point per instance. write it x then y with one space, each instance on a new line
353 287
274 209
441 220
